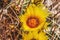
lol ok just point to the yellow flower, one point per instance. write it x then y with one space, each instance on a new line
34 13
34 20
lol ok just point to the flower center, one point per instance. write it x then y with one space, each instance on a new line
32 22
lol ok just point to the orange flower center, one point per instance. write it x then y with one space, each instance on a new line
32 22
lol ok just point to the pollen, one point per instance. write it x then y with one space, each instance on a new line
32 22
